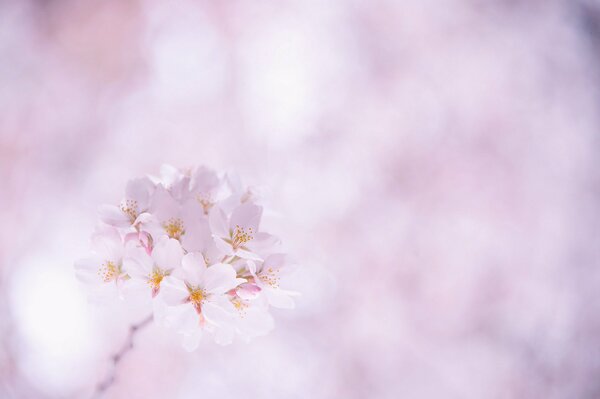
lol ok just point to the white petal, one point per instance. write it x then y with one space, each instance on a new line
86 270
216 314
194 268
220 278
139 190
251 267
106 241
242 253
167 253
246 216
223 246
113 216
173 291
137 263
218 223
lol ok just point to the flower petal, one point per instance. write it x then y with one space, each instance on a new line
218 223
139 190
113 216
106 241
215 313
137 263
220 278
193 268
167 253
173 291
246 216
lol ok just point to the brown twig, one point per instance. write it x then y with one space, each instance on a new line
111 376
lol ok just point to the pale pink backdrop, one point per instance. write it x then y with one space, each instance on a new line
432 165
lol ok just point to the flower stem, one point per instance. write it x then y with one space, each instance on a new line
127 346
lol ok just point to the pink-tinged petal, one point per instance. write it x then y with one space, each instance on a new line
218 223
139 190
173 291
234 181
86 270
213 254
106 241
175 181
167 253
193 269
220 278
164 206
197 237
204 180
169 175
223 246
242 253
247 216
251 267
248 291
136 291
113 216
215 313
144 218
275 261
137 263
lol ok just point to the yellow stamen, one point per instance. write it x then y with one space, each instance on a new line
270 277
174 228
108 271
155 278
241 236
240 306
129 208
205 201
196 297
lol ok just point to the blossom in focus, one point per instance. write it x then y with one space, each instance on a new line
102 272
136 202
147 271
202 292
238 235
267 276
190 243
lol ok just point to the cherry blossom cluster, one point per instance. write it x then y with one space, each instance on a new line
189 246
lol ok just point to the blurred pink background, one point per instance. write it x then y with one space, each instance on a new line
434 166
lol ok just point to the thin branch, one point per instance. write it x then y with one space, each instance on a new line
111 376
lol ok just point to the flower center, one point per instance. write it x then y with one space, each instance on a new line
241 236
155 278
240 306
196 297
109 271
270 277
174 228
129 208
205 202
